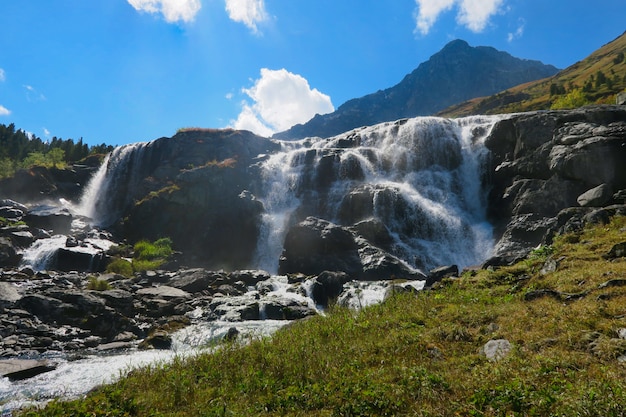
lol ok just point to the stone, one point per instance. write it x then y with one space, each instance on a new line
250 276
159 339
327 286
497 349
23 238
105 347
316 245
276 308
193 280
596 197
437 274
163 291
18 369
8 253
49 218
617 251
9 294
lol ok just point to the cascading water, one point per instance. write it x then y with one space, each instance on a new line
420 177
111 188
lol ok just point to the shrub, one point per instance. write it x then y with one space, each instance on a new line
98 284
160 249
573 99
121 266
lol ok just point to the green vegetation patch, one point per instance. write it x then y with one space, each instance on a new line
419 354
146 256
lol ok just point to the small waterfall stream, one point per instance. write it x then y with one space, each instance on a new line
111 188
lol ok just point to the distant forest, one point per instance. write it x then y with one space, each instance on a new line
19 150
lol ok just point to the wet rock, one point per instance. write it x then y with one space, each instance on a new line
22 238
249 277
119 300
18 369
159 339
285 309
327 286
105 347
316 245
57 219
395 289
231 334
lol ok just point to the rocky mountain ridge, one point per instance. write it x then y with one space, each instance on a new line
456 73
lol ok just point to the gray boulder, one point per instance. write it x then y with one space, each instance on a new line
596 197
18 369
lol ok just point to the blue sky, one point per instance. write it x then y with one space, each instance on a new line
121 71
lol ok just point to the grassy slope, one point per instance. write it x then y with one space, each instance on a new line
536 95
418 354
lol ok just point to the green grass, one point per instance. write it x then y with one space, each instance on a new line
146 256
417 355
96 284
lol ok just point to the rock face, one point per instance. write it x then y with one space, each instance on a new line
316 245
39 183
551 171
195 186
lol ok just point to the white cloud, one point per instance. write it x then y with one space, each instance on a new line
473 14
248 12
429 11
2 75
476 13
4 111
172 10
281 100
46 132
32 94
518 33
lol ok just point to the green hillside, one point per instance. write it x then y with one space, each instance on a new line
595 80
563 310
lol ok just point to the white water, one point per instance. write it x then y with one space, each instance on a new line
72 379
118 171
422 179
41 253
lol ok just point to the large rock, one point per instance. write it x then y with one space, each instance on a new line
545 163
316 245
327 286
18 369
46 217
8 253
596 197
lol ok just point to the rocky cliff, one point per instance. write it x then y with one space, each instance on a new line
552 172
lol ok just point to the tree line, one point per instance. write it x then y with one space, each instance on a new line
19 149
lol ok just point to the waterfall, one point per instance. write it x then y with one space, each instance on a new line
421 178
111 188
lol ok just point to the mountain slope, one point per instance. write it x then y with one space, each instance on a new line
599 77
458 72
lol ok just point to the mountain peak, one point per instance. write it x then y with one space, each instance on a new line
456 73
455 45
